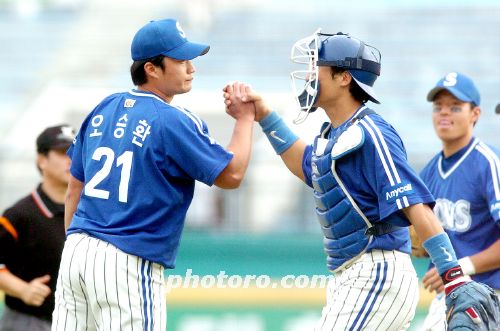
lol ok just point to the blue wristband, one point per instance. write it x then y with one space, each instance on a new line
441 252
279 134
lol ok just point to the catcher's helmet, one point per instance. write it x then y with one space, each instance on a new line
333 50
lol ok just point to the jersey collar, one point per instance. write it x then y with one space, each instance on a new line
464 152
329 130
48 207
140 93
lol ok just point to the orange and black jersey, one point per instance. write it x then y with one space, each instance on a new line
31 243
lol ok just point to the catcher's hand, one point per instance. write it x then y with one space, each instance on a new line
417 249
472 306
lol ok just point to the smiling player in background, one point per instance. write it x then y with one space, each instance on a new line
465 180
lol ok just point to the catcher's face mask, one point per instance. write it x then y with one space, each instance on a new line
332 50
305 82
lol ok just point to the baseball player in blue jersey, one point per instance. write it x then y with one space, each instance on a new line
465 180
135 161
366 194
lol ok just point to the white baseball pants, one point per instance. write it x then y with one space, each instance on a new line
378 292
100 287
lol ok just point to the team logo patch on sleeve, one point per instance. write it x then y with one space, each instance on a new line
398 191
129 103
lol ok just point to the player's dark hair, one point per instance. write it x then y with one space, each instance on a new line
137 69
472 106
357 92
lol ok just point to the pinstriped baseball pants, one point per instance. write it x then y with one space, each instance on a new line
100 287
378 292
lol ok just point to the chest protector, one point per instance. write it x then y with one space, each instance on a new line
347 231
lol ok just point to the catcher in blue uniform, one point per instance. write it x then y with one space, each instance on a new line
366 193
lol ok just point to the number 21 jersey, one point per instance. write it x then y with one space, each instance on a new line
138 158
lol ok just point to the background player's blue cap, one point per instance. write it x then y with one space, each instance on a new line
164 37
461 86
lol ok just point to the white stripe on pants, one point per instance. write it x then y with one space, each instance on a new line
378 292
102 288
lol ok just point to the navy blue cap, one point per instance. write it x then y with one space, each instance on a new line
58 137
164 37
461 86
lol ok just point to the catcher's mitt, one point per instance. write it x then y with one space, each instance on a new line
417 249
472 306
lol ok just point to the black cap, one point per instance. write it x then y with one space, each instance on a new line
55 137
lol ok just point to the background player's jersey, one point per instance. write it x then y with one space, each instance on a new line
467 190
139 158
379 179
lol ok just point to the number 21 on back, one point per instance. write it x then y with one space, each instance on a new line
124 160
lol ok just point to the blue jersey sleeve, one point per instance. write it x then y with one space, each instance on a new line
191 148
75 153
390 175
306 165
491 177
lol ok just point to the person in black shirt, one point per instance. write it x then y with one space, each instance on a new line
32 238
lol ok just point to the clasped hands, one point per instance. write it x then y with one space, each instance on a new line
242 102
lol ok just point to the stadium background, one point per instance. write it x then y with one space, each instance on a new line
59 58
